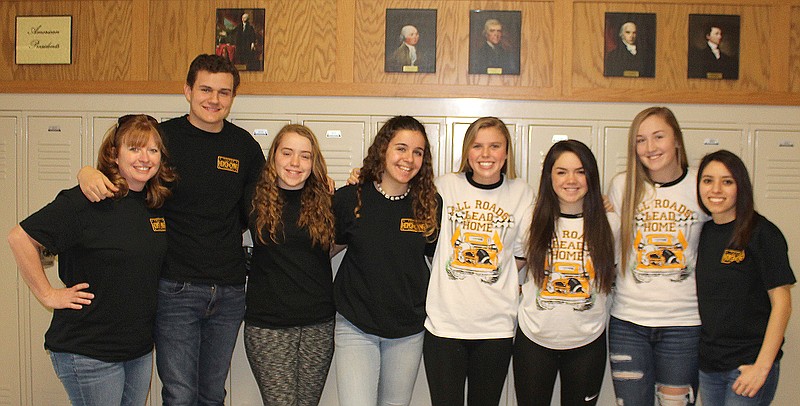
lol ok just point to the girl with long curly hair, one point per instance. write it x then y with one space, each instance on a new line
474 287
288 332
571 268
110 256
388 222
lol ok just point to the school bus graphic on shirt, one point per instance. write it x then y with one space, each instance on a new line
475 254
567 283
477 231
660 255
661 240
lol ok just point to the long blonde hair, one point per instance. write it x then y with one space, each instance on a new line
637 178
315 213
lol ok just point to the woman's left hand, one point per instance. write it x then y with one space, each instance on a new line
751 380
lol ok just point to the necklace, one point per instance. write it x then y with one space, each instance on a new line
390 197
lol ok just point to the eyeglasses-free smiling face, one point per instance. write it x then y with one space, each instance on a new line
487 155
657 149
138 164
293 161
718 192
569 182
210 100
403 160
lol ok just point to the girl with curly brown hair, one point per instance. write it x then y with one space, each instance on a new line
388 221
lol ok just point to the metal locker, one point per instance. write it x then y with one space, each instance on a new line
10 385
343 143
263 130
701 141
776 187
54 157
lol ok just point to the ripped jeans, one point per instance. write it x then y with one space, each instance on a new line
643 358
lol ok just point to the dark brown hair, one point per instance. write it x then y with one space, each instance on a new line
597 235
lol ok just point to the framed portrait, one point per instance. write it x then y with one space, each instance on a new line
713 46
630 45
410 41
494 41
43 40
240 37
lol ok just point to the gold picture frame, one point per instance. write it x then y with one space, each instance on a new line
43 40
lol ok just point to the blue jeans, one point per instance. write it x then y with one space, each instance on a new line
93 382
643 358
372 370
196 328
716 388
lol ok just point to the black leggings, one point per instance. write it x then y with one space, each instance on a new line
581 369
449 362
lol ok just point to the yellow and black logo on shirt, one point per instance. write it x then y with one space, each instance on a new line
158 224
228 164
731 256
412 226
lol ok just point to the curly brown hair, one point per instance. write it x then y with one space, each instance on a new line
423 191
136 130
315 213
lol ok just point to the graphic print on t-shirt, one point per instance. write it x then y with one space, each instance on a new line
661 238
478 228
568 280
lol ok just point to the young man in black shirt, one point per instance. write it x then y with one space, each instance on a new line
201 297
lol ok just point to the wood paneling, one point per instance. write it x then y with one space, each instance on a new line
327 47
794 51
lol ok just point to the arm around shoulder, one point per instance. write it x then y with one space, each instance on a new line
94 185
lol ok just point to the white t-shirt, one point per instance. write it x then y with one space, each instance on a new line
567 311
658 288
474 286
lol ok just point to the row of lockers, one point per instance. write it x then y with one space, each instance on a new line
40 154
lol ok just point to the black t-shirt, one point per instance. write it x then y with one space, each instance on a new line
732 292
207 210
383 279
118 248
290 283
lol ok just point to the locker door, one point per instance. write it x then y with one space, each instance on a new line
54 157
10 385
542 137
263 130
436 129
776 177
459 129
343 142
700 141
615 156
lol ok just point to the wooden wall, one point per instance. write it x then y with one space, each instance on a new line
336 48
